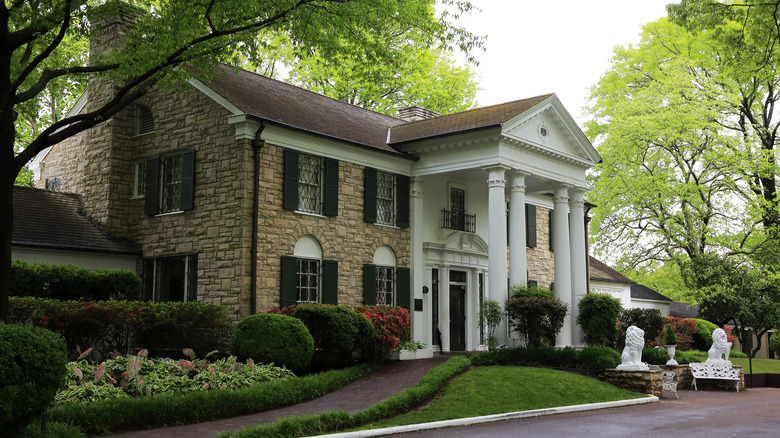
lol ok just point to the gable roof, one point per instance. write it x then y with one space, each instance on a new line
601 272
275 101
643 292
47 219
681 310
478 118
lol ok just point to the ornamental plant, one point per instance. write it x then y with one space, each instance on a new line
684 329
670 337
649 320
490 316
598 316
273 339
537 320
391 327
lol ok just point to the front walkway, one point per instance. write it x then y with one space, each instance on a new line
370 389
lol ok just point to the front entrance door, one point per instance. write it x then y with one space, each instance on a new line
457 317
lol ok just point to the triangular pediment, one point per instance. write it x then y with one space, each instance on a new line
549 126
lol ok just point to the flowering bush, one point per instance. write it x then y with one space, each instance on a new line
138 376
685 328
126 326
391 326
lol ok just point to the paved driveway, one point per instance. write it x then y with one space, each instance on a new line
711 413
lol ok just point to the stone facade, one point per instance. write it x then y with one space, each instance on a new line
100 164
540 260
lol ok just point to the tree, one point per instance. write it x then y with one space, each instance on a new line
165 44
598 317
490 316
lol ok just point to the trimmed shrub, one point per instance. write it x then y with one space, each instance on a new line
538 320
598 315
391 326
649 320
69 282
592 358
32 368
518 291
656 356
684 328
339 333
598 358
278 339
126 326
702 339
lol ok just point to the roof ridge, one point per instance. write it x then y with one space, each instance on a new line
482 108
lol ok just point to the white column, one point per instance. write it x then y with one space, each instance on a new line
562 260
579 258
518 265
420 321
497 241
444 306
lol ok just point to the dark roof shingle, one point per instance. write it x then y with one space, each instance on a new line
601 272
643 292
47 219
288 105
477 118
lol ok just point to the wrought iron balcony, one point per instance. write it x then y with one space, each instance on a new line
459 220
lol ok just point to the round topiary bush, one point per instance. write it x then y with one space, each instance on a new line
272 338
33 364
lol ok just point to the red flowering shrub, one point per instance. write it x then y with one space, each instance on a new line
685 328
126 326
391 326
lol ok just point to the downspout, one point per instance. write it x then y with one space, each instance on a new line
257 145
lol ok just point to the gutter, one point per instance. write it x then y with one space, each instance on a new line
257 145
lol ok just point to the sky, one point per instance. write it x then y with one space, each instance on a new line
553 46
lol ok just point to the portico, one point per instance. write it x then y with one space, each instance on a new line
497 200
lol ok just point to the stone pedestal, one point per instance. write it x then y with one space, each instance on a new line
648 381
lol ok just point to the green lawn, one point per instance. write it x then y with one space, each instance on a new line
499 389
759 365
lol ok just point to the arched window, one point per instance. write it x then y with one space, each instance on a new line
307 277
145 120
384 260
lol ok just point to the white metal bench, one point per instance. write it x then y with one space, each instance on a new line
714 372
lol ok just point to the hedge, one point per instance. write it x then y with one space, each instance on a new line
593 358
69 282
127 326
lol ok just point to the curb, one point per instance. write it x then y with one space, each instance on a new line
491 418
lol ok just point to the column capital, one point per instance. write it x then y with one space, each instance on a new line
561 193
518 181
496 175
417 187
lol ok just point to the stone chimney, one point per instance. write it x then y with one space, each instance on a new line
415 113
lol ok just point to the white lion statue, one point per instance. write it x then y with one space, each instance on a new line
720 347
632 353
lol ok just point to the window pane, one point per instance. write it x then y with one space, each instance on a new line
385 199
140 179
310 184
308 286
385 286
170 197
170 286
458 209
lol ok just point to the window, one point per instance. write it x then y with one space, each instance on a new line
53 184
173 278
170 183
306 277
139 181
384 284
145 121
456 217
386 198
311 184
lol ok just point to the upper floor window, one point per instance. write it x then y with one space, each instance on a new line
139 179
53 184
456 218
170 183
386 198
145 121
311 184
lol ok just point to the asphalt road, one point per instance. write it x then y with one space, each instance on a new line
705 413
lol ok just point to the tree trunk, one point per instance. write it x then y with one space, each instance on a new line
6 223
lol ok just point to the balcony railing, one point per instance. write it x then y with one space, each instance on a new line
459 220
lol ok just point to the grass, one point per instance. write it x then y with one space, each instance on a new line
499 389
759 365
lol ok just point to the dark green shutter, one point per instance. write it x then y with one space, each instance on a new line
530 226
331 202
150 195
552 227
192 279
289 281
402 186
369 285
291 176
369 195
330 282
187 179
404 287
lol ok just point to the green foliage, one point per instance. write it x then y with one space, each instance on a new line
538 320
137 376
69 282
774 343
670 337
594 358
663 277
490 316
309 425
53 430
126 326
649 320
273 339
391 326
518 291
598 315
32 368
702 339
164 410
684 330
339 333
411 345
659 356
